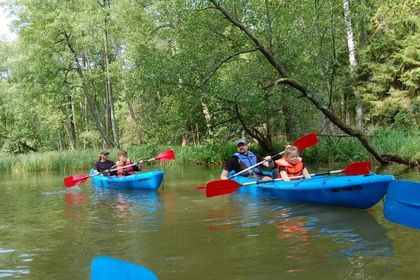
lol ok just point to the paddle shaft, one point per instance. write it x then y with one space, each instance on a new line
222 187
77 179
255 165
292 178
119 167
302 143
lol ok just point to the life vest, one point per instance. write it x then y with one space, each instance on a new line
126 170
292 170
246 161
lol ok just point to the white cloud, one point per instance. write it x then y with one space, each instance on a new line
5 20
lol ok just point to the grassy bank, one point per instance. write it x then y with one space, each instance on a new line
329 149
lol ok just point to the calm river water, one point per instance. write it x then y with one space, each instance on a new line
47 232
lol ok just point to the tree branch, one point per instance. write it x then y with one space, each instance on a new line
253 132
226 37
304 91
218 64
266 52
156 30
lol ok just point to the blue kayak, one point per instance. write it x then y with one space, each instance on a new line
362 191
402 203
142 180
107 268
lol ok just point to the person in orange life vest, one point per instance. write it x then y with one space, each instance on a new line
123 160
104 164
244 159
291 165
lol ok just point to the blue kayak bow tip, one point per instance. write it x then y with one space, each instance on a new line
107 268
402 203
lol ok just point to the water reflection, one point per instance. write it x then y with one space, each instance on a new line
126 200
8 258
76 198
355 232
51 233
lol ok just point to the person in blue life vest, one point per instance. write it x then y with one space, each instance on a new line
244 159
104 164
123 161
291 165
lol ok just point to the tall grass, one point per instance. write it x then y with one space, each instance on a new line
329 149
387 141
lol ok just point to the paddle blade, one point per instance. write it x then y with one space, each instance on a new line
75 180
166 155
306 141
221 187
358 168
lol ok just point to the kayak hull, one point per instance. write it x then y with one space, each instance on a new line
142 180
362 191
402 203
108 268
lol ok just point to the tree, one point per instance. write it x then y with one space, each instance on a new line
286 79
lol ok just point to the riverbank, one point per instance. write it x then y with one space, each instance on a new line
329 149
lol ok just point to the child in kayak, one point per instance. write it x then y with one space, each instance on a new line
291 165
123 160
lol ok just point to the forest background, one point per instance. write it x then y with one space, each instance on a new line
146 75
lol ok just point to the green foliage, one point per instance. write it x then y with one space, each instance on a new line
182 75
389 77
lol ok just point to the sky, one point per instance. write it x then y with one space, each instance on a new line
5 20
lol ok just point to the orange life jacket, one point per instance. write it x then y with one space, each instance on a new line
291 169
123 171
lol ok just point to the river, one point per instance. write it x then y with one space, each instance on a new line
48 232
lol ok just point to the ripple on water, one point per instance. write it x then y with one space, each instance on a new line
19 270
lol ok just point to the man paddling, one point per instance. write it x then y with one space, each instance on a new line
244 159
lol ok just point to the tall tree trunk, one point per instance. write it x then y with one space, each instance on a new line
185 136
207 116
286 79
352 58
288 120
92 107
131 111
269 25
71 123
110 115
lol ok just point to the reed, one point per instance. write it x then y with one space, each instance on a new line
329 149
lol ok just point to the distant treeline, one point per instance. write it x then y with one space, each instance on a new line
329 149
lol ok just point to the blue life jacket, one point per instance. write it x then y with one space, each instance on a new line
246 161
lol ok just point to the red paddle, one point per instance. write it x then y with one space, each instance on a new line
222 187
79 179
301 143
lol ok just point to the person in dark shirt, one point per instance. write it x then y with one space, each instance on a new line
244 159
104 164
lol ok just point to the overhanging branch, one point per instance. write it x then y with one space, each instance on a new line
216 66
304 91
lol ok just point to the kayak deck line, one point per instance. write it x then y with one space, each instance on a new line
359 191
